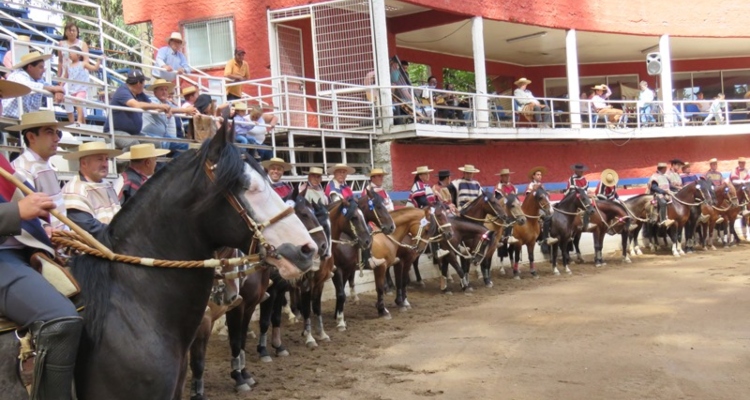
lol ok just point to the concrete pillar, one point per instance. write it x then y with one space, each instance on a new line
666 80
574 84
382 65
480 71
382 159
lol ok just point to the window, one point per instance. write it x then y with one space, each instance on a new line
209 43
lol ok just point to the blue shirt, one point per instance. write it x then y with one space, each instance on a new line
127 121
176 60
689 178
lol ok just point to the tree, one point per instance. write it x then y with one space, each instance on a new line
464 81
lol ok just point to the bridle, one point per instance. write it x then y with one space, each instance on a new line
492 218
579 210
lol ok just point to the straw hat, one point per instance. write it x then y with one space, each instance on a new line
240 106
579 167
600 87
610 178
533 171
468 168
276 161
349 170
687 164
36 119
661 165
315 171
34 56
713 160
741 159
422 169
521 82
505 171
142 151
376 171
10 89
175 36
159 83
91 148
189 90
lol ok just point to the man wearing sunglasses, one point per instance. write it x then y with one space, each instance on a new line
40 134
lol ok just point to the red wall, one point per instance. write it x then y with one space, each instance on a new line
634 159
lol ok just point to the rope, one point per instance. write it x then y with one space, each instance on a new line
74 241
532 216
686 203
632 215
578 212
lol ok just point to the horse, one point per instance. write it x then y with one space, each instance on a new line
743 197
609 217
563 224
140 320
639 209
534 205
728 206
515 217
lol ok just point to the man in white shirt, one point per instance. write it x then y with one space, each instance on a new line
529 105
611 114
645 98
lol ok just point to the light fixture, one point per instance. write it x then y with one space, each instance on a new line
650 49
390 8
524 37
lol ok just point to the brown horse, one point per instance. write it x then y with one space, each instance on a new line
729 207
563 225
639 209
743 197
534 205
515 217
609 217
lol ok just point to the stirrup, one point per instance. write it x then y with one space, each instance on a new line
551 240
442 253
720 220
374 262
667 223
512 240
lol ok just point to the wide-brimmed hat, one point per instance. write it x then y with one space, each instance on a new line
9 89
175 36
189 90
661 165
276 161
600 87
610 177
31 57
521 82
142 151
422 169
533 171
468 168
579 166
315 171
240 106
159 83
36 119
713 160
376 171
444 173
91 148
348 169
741 159
676 161
505 171
687 164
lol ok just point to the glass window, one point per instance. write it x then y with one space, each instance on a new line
209 42
736 84
555 87
707 82
682 86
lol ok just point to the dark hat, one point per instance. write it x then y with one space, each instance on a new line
202 102
443 173
239 51
135 76
676 161
579 167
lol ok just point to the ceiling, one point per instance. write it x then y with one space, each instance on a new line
395 8
549 49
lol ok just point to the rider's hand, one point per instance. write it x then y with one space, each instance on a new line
35 205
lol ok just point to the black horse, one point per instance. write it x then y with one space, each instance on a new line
140 321
564 226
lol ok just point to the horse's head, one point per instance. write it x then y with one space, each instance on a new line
484 204
321 213
258 215
705 192
440 218
727 191
542 199
355 225
374 209
584 200
743 192
513 205
304 211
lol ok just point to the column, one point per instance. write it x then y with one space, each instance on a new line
666 81
574 84
480 72
382 65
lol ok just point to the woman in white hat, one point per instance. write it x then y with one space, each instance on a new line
421 193
142 166
376 185
337 187
313 188
171 58
607 188
276 168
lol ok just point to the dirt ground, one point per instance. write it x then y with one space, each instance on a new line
660 328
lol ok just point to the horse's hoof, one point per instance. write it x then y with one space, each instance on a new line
502 271
569 272
251 334
517 277
385 315
403 309
713 247
639 252
243 388
266 359
312 345
419 284
598 265
556 272
281 351
468 289
341 328
198 397
627 260
676 254
489 284
447 292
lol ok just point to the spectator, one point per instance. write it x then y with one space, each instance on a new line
171 58
645 100
702 103
262 124
142 166
131 95
189 94
715 111
236 70
71 39
612 115
165 125
78 70
91 201
9 58
529 106
30 72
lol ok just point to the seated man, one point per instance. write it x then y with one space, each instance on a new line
171 58
165 125
142 166
612 115
658 185
529 106
30 72
91 201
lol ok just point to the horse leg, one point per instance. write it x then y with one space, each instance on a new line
598 256
486 273
530 252
281 351
405 282
317 300
198 357
379 283
266 309
237 329
444 288
514 256
398 272
338 284
711 229
465 267
305 308
352 292
576 245
418 276
566 257
389 285
672 232
555 248
624 242
733 231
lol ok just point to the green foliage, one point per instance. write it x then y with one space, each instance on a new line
418 74
464 81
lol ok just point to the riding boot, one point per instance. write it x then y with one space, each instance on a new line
663 214
509 238
587 225
56 344
438 252
546 225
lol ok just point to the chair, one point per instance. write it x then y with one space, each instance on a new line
501 115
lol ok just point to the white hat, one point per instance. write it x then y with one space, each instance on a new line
610 177
521 82
505 171
422 169
276 161
376 171
159 83
349 170
315 171
468 168
35 119
91 148
142 151
175 36
9 89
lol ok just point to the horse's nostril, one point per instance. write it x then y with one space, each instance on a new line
307 250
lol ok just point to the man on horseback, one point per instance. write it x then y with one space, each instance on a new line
376 185
142 166
577 180
276 168
338 187
421 194
442 190
467 188
713 175
607 188
687 176
503 189
313 188
675 180
30 300
91 201
535 175
659 185
740 176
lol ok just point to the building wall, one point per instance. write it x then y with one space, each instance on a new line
631 159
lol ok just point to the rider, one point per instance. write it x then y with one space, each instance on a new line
740 176
142 165
376 185
659 185
28 299
535 175
713 175
338 187
577 180
442 190
687 176
276 168
673 175
421 194
503 189
466 188
607 188
313 188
